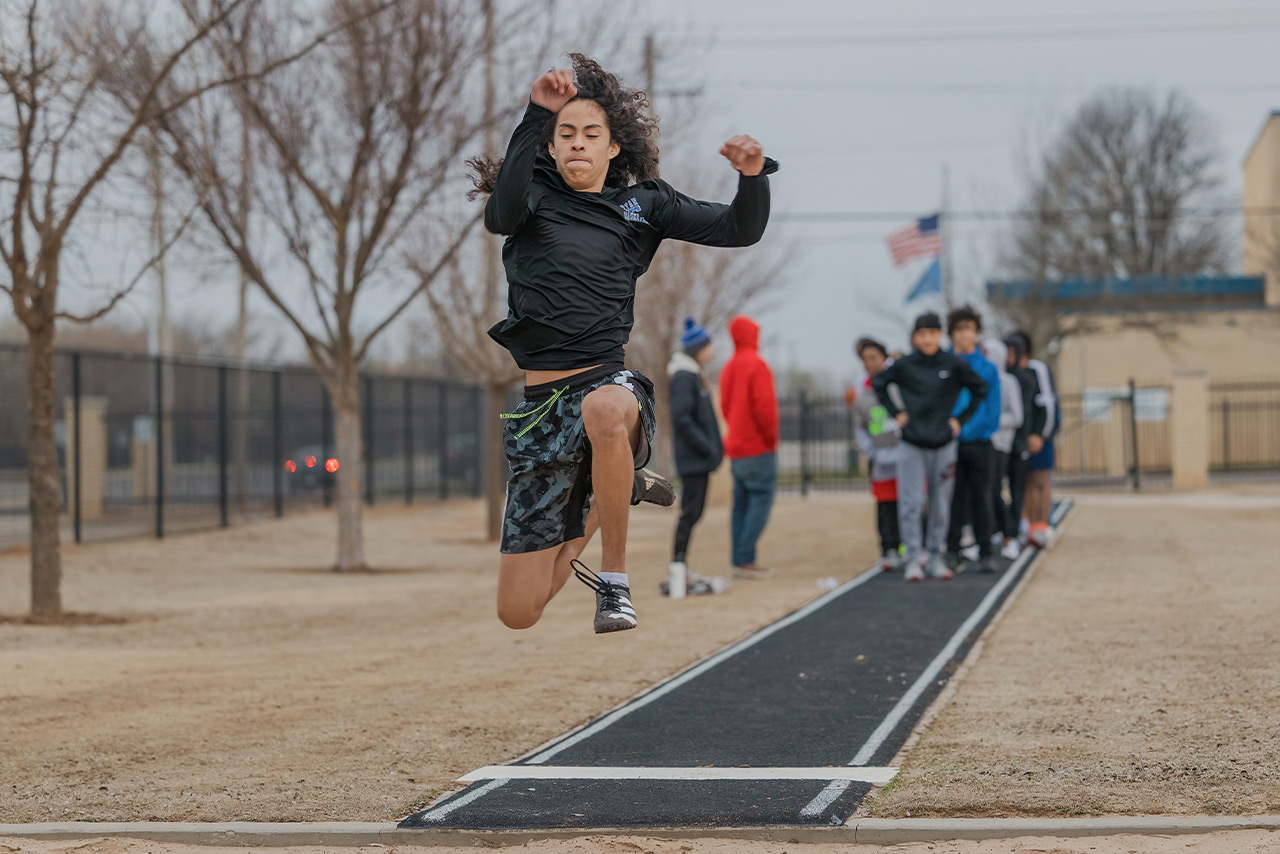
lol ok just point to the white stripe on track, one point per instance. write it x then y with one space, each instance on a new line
838 787
861 774
439 813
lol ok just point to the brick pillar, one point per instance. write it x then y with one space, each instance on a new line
1190 428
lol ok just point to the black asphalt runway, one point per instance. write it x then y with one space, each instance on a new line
812 693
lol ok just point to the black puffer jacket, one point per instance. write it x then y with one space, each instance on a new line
694 429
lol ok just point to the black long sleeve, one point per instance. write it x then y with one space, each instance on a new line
880 385
740 223
572 257
508 205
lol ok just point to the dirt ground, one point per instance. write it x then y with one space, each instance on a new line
1229 842
252 684
1137 673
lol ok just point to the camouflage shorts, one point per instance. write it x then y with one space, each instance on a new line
550 457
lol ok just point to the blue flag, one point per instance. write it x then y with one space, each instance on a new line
930 282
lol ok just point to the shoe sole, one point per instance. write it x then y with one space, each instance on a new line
604 630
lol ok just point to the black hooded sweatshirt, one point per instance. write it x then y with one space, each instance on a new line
572 258
930 386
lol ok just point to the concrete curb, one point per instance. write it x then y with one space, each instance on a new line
864 831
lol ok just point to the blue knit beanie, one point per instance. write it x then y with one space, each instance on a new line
694 335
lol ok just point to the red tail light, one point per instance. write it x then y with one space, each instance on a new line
310 461
290 466
331 465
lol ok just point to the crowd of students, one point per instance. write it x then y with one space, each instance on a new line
959 445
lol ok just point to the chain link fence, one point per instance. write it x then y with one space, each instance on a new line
152 446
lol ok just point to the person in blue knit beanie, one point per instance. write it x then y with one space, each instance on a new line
697 449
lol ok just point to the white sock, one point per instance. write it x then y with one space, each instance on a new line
618 579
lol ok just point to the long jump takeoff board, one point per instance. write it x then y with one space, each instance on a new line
792 726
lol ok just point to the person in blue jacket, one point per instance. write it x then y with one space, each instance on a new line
975 458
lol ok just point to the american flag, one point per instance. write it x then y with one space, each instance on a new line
920 239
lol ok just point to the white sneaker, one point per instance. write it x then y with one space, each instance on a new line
938 569
971 553
1011 550
967 538
915 572
891 562
708 585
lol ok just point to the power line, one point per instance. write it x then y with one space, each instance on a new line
1210 25
1015 214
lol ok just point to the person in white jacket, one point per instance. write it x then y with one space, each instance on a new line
1011 416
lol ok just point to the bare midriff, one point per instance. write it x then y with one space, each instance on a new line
540 377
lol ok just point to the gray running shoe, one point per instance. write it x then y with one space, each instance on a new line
891 562
915 572
938 569
700 585
652 487
614 611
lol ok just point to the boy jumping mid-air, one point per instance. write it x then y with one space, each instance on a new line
579 198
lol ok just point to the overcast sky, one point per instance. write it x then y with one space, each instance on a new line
864 102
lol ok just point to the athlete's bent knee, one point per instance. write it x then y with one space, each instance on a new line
514 617
604 419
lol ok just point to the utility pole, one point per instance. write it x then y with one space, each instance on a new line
493 454
650 69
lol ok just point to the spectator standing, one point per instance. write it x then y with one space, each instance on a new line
1044 426
698 450
1026 378
877 435
750 406
930 382
1005 537
975 455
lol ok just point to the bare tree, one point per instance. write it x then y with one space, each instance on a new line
358 148
1112 197
63 145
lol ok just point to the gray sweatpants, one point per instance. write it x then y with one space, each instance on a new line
918 468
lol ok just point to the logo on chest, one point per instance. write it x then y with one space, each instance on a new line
631 211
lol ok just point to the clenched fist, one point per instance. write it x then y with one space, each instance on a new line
746 155
553 90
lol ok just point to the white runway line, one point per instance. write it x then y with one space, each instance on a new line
861 774
438 813
838 786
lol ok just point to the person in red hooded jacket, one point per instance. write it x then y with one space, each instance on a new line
750 408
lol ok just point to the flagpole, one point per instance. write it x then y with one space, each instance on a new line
944 227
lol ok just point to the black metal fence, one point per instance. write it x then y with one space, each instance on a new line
1109 439
149 446
1244 425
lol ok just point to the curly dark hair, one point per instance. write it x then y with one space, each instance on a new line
962 314
631 126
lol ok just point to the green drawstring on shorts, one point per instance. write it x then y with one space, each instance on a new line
541 412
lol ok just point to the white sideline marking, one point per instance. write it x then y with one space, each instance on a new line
837 787
851 774
694 672
438 813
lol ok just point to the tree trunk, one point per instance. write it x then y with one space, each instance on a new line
43 482
493 458
350 475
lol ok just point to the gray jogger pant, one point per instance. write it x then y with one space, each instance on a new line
918 468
